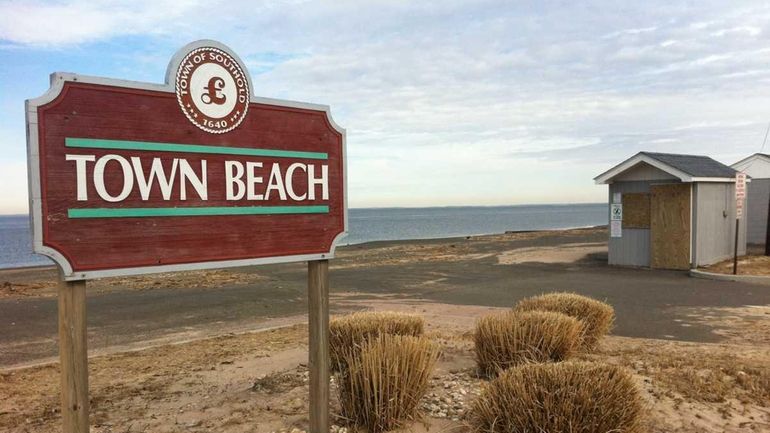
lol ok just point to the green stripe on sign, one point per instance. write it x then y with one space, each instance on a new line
94 143
193 211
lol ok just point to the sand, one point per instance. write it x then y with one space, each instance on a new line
42 282
747 265
567 253
257 382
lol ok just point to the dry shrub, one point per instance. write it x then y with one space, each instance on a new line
575 397
346 333
597 316
385 380
507 339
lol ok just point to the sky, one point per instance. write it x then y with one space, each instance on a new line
445 103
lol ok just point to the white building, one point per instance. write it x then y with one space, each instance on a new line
757 166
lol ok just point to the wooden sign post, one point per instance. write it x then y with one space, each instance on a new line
73 356
131 178
318 323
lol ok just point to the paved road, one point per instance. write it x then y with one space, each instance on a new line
648 303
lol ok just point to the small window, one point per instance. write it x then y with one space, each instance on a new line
636 210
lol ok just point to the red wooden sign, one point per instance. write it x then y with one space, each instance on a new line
129 178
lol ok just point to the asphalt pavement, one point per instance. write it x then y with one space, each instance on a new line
648 304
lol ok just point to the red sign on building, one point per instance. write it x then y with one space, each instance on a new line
129 178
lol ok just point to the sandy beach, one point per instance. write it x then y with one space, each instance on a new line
226 351
257 382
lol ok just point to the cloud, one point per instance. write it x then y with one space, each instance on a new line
483 102
630 32
57 24
749 30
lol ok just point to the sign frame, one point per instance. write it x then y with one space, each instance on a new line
57 82
740 194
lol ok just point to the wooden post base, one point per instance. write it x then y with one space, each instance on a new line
318 305
73 356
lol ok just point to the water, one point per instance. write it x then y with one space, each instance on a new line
379 224
441 222
16 243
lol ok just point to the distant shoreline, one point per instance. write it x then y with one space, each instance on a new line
377 242
422 207
461 237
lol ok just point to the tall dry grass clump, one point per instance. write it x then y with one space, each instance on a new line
503 340
349 332
575 397
596 316
384 381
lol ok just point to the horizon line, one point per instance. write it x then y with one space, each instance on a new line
426 207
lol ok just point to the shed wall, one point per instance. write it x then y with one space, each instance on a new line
758 167
756 210
714 218
644 172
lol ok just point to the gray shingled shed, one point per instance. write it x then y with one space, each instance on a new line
671 211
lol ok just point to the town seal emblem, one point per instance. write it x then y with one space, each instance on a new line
212 90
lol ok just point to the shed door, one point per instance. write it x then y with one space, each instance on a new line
670 226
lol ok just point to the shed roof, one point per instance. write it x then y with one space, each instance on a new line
688 168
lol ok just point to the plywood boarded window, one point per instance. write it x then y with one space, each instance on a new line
670 226
636 210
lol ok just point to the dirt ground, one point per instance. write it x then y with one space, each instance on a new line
747 265
567 253
257 382
42 282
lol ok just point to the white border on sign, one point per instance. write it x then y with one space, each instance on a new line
33 169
